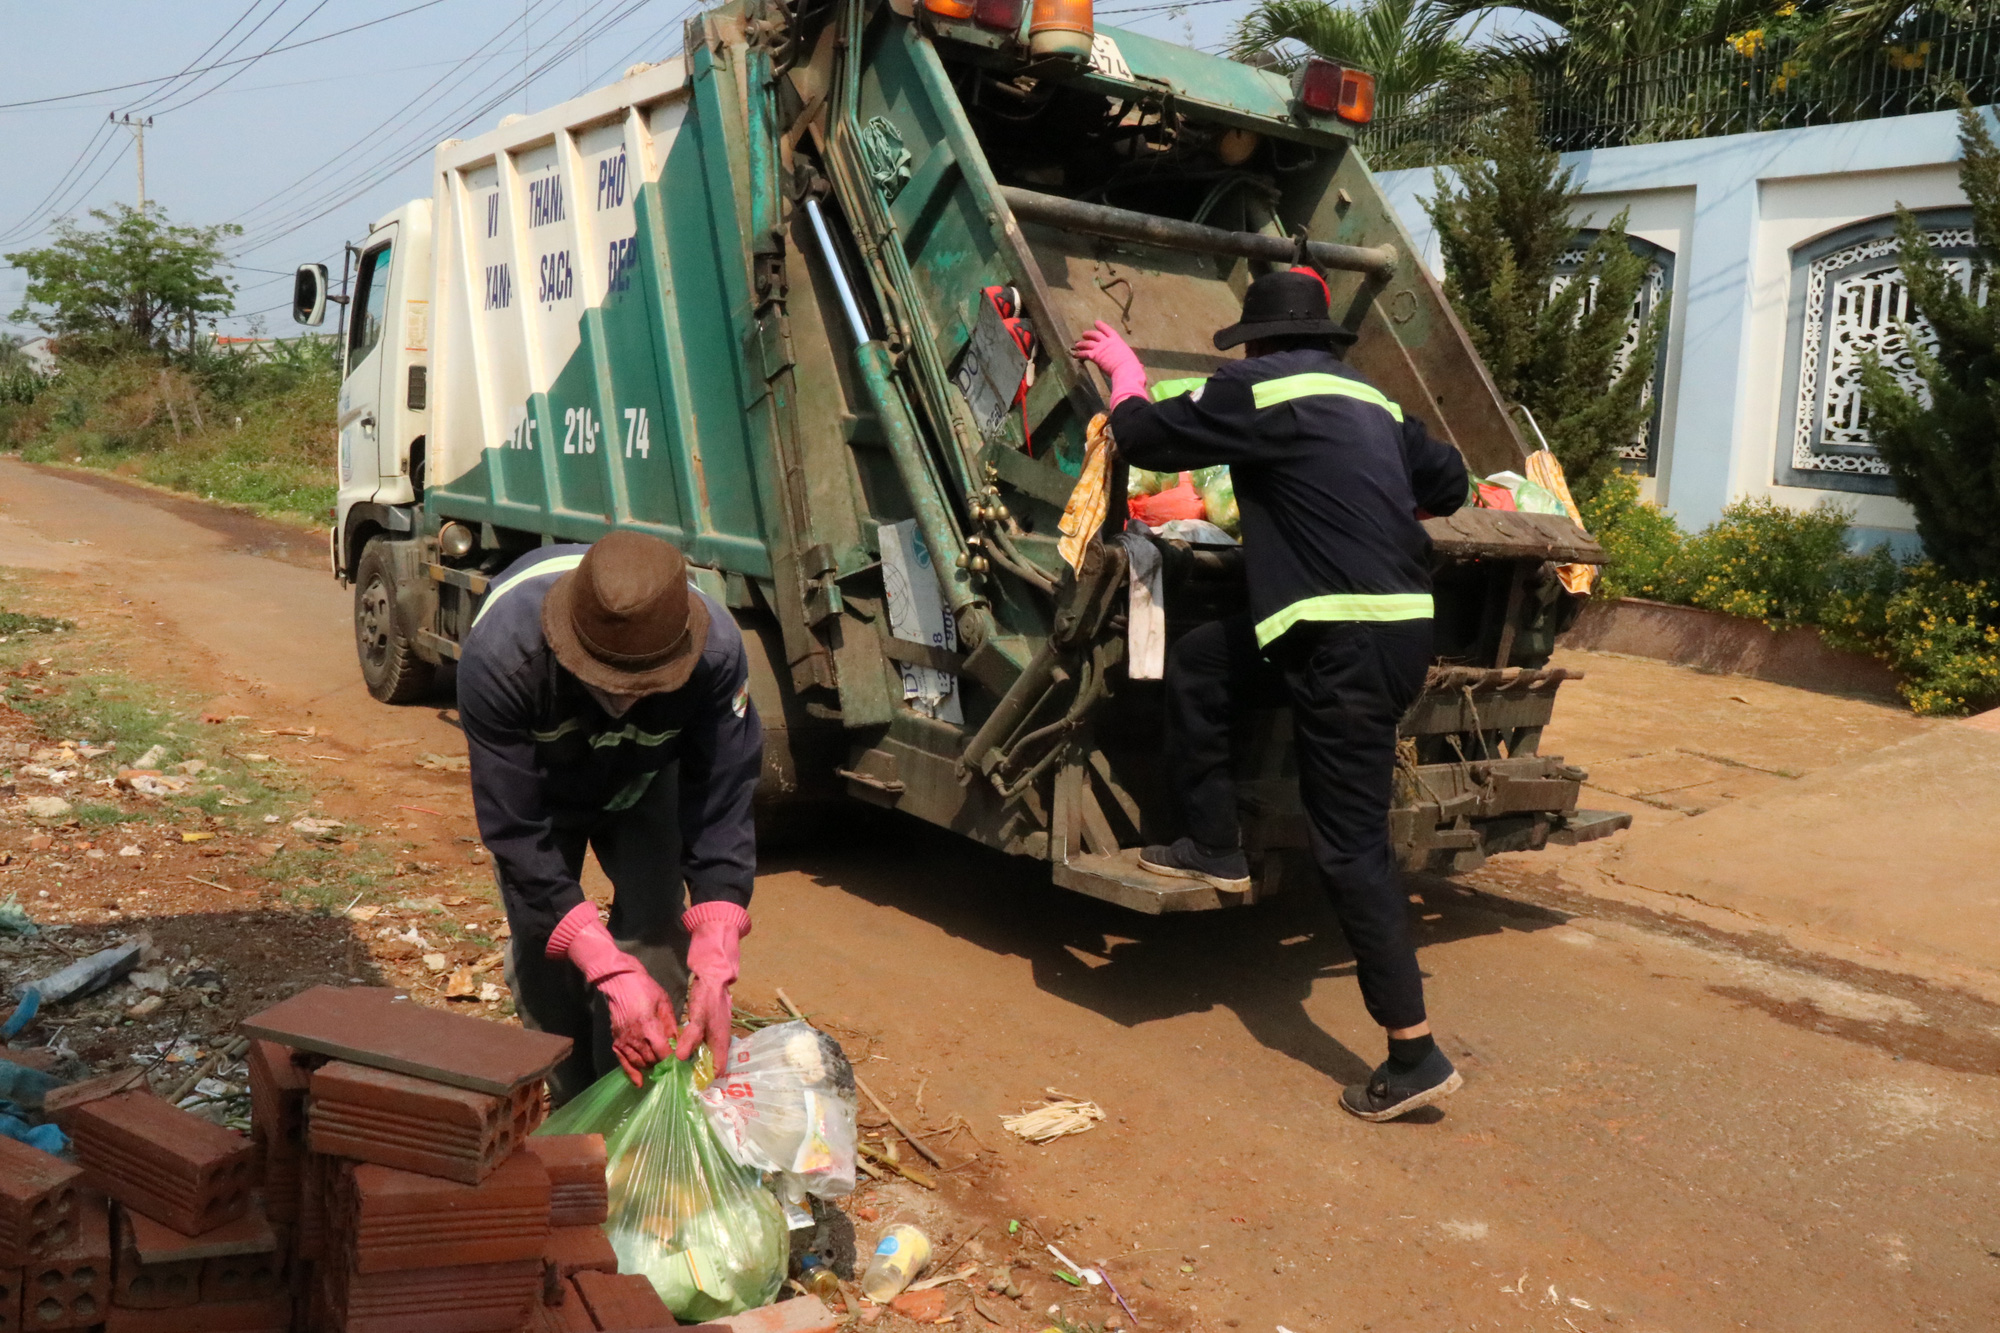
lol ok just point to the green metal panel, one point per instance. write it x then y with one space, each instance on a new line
663 350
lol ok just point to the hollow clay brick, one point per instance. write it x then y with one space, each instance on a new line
156 1243
622 1300
414 1124
156 1159
578 1194
272 1314
389 1220
10 1300
70 1286
38 1200
569 1317
139 1285
377 1027
477 1298
278 1083
802 1314
573 1249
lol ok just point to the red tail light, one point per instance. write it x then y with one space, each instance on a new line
1328 89
1003 15
950 9
1357 97
1319 86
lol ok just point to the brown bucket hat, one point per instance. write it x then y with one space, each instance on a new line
625 620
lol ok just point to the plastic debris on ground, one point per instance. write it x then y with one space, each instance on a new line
1057 1117
14 919
698 1225
786 1105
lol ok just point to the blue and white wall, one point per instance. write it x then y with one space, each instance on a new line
1783 272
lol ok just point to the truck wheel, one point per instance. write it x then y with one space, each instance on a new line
388 652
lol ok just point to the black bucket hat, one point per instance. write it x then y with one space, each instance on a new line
1291 300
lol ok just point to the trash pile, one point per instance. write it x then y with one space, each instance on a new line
398 1177
1197 506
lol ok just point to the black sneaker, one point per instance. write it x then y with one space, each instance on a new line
1389 1093
1187 859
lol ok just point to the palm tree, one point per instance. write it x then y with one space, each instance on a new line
1408 45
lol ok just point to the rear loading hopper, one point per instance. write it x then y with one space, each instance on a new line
777 349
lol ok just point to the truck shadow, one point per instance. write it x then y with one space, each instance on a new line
1262 963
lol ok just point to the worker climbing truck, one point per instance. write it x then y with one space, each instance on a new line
799 300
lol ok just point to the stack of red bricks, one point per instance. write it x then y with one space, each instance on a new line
390 1185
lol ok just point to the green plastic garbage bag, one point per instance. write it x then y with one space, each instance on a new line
1218 495
703 1230
1138 481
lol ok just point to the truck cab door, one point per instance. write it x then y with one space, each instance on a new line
364 414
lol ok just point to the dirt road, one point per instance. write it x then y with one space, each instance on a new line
1662 1129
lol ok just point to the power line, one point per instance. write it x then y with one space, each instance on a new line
221 64
108 168
97 141
235 73
415 146
206 52
402 114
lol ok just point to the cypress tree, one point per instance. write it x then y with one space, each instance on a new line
1944 453
1553 349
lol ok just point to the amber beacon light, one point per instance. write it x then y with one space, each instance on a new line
1061 28
951 9
1332 90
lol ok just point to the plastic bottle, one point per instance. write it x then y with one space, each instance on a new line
822 1282
900 1256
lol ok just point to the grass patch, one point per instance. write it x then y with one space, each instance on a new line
245 428
100 816
105 707
18 622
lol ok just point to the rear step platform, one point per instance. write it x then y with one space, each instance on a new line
1588 826
1118 879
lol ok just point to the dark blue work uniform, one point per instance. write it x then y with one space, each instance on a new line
661 794
1329 476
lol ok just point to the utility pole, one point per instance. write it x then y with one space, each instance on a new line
138 127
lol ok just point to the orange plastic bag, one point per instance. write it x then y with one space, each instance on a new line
1181 500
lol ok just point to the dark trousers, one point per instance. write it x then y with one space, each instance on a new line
640 851
1348 685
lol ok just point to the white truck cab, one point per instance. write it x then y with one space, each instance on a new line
384 391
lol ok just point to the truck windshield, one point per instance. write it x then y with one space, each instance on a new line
371 298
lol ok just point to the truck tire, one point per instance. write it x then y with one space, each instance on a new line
387 647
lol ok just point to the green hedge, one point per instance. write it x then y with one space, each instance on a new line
1790 568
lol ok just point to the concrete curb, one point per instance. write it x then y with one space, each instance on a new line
1713 641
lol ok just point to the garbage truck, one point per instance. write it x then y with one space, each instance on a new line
799 300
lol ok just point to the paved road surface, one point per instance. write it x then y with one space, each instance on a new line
1658 1131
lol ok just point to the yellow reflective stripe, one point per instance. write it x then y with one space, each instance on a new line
561 564
1166 389
1374 606
1270 393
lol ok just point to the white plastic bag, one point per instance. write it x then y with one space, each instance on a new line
786 1105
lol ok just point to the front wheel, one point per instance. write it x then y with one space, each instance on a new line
388 652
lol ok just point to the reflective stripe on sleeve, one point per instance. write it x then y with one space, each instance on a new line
559 565
1166 389
1269 393
1371 606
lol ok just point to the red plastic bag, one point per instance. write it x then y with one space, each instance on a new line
1495 497
1179 501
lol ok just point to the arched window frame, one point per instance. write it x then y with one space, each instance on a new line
1847 297
1641 455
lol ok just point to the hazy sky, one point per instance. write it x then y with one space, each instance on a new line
303 146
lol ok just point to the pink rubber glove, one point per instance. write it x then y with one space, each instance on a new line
642 1017
1103 348
715 934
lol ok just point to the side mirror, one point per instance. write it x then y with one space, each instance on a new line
309 294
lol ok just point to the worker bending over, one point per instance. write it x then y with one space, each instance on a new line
1329 477
606 703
